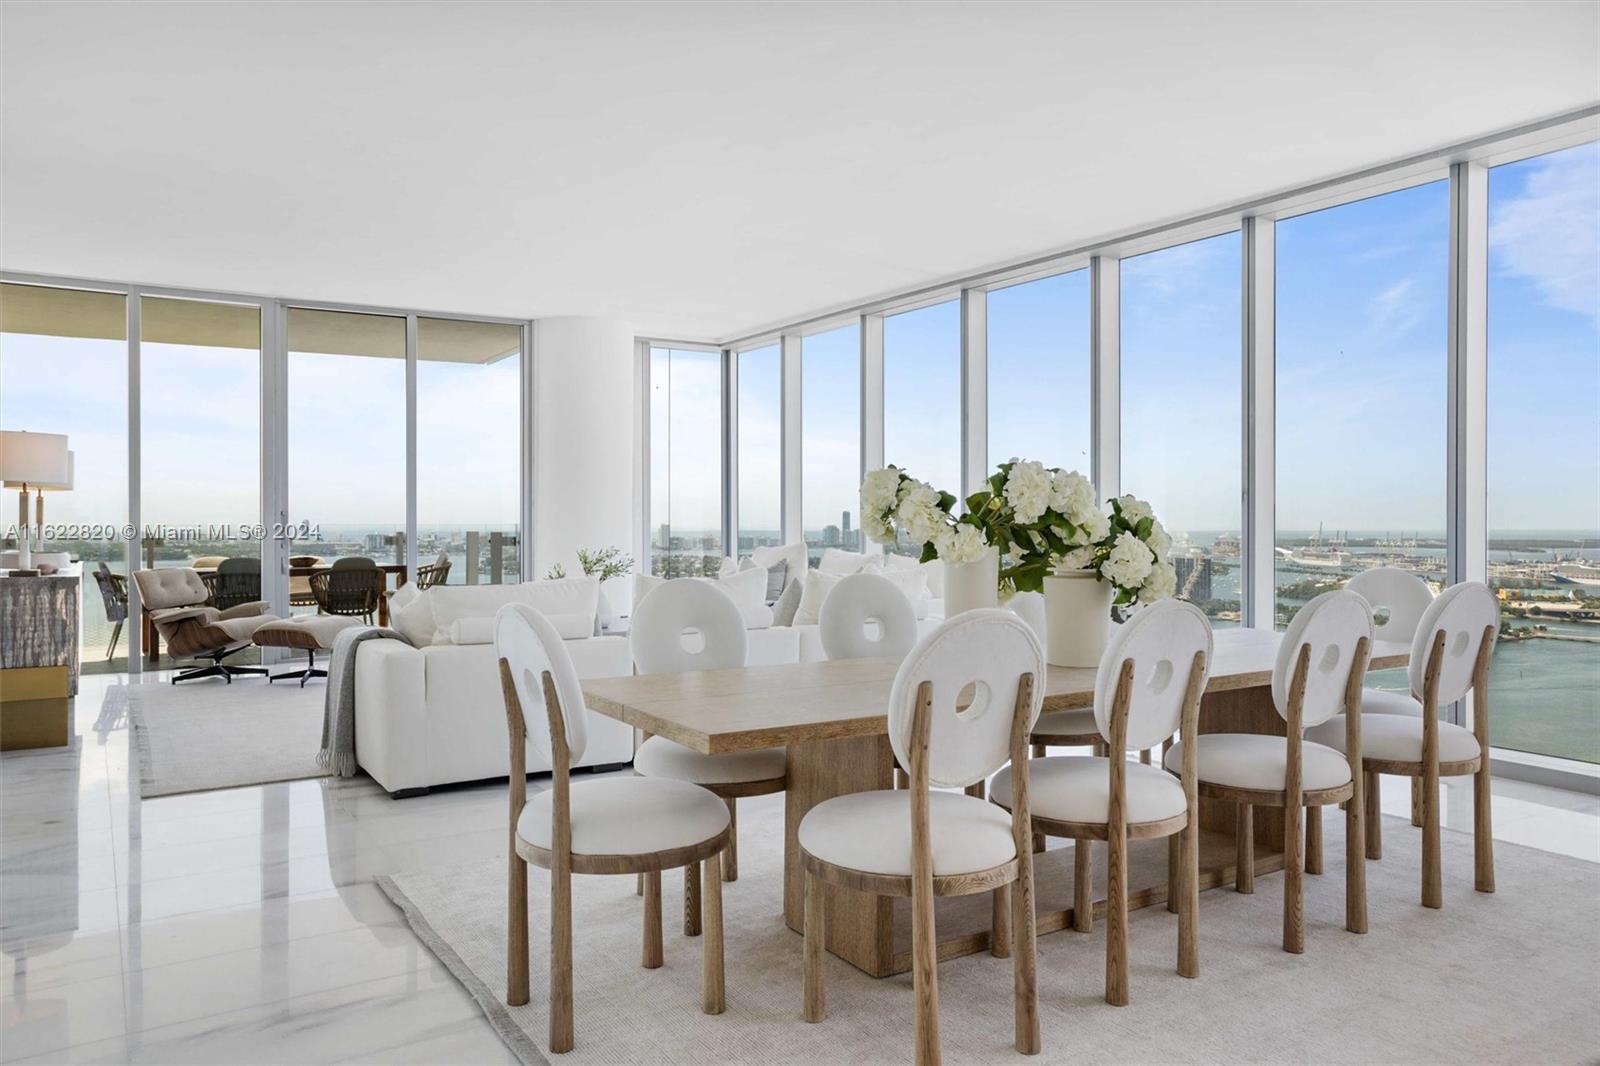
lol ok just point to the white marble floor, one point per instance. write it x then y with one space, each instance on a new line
243 925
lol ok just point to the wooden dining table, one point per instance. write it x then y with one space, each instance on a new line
831 719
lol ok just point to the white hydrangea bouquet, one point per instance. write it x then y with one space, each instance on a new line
894 502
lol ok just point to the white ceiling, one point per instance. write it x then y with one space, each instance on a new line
703 171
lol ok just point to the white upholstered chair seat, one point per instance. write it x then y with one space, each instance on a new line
628 816
1395 738
1067 723
871 832
1257 761
660 757
1077 788
1379 701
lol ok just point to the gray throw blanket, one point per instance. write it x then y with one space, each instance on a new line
338 752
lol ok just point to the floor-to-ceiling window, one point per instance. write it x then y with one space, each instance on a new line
830 439
1362 364
760 413
685 461
1039 393
469 471
922 399
347 438
1181 440
1544 452
64 369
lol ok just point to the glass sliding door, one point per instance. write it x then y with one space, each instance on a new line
347 440
760 413
1039 372
1544 453
1181 367
469 448
922 400
685 462
64 369
830 440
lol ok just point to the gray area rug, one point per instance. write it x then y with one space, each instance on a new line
1507 977
207 734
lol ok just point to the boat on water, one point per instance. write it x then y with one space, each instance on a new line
1320 552
1585 575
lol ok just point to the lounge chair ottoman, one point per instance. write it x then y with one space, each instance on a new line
309 633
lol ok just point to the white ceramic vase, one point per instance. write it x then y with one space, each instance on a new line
969 586
1077 610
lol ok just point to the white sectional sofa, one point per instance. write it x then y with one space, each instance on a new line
434 715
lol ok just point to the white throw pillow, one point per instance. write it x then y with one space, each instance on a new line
838 561
931 572
913 585
479 629
414 621
818 585
788 603
793 554
403 596
643 584
730 565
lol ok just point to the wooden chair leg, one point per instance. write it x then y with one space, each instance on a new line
1174 873
1432 875
713 984
1144 756
1482 836
1373 816
1117 920
561 960
1038 843
902 780
1039 751
1313 840
976 789
1024 964
1000 922
1355 862
1294 889
652 920
638 884
1244 841
1083 885
925 972
517 933
1416 801
1189 908
730 858
815 1006
691 899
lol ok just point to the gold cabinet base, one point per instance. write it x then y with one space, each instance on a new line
35 711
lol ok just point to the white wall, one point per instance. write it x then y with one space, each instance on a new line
585 438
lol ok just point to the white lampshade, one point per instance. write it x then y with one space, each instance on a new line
34 459
62 487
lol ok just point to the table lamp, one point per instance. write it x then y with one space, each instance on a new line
31 461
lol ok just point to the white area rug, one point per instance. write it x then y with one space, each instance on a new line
1490 978
207 734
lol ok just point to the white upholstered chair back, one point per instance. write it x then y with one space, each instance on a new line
1397 598
174 586
990 649
867 617
1462 612
1332 625
687 625
1162 640
530 645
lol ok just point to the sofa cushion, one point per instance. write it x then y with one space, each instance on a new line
792 555
839 561
934 570
913 585
478 629
817 586
414 621
746 588
783 611
569 603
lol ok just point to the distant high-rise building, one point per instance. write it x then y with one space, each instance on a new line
844 526
664 535
830 536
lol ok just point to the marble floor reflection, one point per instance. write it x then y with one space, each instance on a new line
243 925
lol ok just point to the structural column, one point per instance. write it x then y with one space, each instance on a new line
1258 530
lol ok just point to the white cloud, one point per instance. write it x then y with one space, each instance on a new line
1550 233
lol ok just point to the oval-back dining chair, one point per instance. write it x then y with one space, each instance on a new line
610 825
679 626
1321 664
1147 687
961 705
1449 659
867 617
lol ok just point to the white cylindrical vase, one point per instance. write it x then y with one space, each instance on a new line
1077 609
969 586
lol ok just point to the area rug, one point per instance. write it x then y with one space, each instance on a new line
1489 978
207 734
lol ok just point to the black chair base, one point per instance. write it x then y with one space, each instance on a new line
223 670
311 670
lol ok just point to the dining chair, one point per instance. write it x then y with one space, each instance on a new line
686 625
1321 664
114 598
235 580
609 825
300 587
867 617
353 586
1398 599
1449 660
434 573
960 706
1147 687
